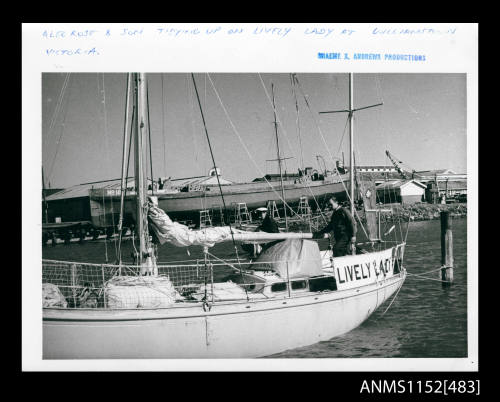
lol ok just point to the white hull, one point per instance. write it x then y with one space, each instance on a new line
229 330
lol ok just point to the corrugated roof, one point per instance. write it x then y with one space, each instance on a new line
453 185
437 171
80 190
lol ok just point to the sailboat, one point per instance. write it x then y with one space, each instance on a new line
292 295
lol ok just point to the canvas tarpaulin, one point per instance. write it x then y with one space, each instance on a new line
302 257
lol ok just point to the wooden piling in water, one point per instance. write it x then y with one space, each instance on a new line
446 249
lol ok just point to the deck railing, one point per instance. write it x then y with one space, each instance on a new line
84 285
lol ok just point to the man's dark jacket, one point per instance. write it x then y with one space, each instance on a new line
342 224
269 225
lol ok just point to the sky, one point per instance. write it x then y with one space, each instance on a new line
422 122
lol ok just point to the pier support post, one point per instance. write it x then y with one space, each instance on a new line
446 249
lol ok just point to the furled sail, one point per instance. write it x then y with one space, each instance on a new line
180 235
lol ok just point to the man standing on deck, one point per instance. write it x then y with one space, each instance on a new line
344 229
268 225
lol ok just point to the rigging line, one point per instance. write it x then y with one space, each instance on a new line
163 127
127 170
276 114
288 141
106 144
113 225
424 273
212 155
246 149
279 159
123 180
58 144
425 278
149 135
59 103
330 154
407 227
190 96
359 176
343 134
106 236
292 79
218 182
394 298
316 123
387 194
386 190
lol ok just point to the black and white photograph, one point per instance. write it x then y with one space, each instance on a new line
279 216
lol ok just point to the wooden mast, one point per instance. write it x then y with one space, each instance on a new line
351 111
140 166
124 170
351 142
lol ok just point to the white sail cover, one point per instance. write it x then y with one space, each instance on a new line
52 296
140 292
293 257
181 236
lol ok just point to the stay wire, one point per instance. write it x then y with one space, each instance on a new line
330 154
247 151
149 136
56 112
292 79
123 181
217 175
393 299
271 102
59 103
212 155
163 126
58 142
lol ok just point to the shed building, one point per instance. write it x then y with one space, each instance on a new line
401 191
